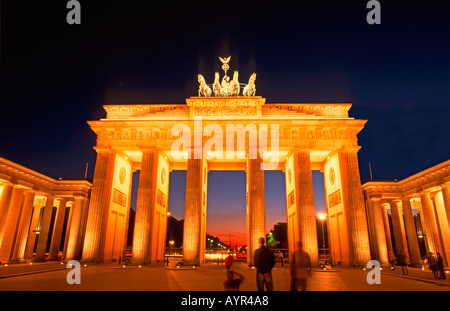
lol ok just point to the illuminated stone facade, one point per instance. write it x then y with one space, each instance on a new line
427 192
41 218
224 133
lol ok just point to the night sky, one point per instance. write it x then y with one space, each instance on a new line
57 76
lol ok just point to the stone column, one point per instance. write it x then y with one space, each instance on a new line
306 214
441 223
256 208
429 223
57 231
411 233
399 229
74 231
66 230
387 229
355 207
204 190
193 212
24 228
32 236
371 226
446 198
145 207
97 206
45 230
5 201
11 224
379 229
82 230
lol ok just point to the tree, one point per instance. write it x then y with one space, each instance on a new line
271 241
175 231
215 242
277 237
131 221
280 234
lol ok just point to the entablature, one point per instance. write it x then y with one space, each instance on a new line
22 177
427 180
237 107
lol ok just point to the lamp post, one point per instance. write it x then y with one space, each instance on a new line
171 242
322 217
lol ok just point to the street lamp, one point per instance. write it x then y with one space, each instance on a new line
322 217
171 243
420 234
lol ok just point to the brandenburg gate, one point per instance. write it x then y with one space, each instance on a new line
225 127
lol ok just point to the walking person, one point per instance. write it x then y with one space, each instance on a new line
300 268
432 264
264 260
440 266
401 261
234 281
229 262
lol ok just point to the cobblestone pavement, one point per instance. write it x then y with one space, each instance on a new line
51 276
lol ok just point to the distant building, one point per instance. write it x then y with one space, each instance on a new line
41 218
427 192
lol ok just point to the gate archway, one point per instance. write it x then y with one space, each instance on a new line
216 133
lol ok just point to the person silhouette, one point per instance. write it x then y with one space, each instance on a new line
228 262
401 261
300 268
234 281
432 264
264 260
440 266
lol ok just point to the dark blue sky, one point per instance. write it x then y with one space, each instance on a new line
56 76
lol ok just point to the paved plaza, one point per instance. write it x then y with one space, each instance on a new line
51 276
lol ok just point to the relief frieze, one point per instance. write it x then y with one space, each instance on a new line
233 110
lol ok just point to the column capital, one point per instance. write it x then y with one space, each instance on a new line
395 200
78 197
149 149
395 204
376 197
425 192
350 149
30 190
62 201
103 150
385 203
407 198
445 185
297 150
11 182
